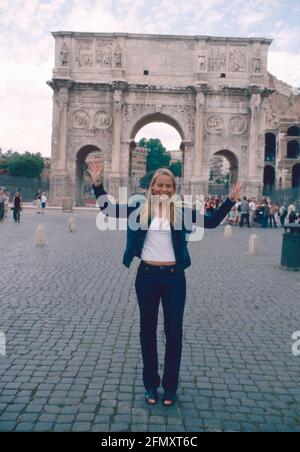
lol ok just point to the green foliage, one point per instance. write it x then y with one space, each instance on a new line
176 168
28 165
145 180
158 157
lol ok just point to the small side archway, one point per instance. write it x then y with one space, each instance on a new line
81 178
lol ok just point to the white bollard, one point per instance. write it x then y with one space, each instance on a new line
40 237
72 225
253 245
228 232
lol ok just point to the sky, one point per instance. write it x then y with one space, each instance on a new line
27 48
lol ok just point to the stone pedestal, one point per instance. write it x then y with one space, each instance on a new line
252 189
198 187
114 182
67 205
59 188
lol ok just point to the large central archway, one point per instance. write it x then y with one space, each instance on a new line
154 118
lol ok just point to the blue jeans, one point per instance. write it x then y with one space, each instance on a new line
167 284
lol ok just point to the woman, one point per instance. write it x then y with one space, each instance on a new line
164 257
17 207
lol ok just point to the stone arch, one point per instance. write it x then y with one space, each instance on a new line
139 121
81 156
233 163
296 176
156 117
269 179
293 131
293 149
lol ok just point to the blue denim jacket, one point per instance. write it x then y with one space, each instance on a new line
135 238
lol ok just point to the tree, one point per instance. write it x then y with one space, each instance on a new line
158 157
28 165
145 180
176 168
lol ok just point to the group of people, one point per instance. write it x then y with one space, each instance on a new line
265 212
16 206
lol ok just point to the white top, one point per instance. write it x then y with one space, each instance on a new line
158 244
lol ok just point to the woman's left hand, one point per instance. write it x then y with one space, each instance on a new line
235 191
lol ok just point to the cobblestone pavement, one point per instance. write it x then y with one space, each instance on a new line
71 321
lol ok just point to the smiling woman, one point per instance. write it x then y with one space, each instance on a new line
162 248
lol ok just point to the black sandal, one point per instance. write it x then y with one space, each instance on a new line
151 394
168 397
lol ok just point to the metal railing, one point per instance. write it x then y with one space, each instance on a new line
27 187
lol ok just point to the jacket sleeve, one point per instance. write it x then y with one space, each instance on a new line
212 221
109 208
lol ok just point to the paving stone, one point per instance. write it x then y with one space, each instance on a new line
74 360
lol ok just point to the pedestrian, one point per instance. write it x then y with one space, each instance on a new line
17 207
282 214
292 216
37 198
237 210
2 200
245 211
265 213
252 206
43 202
164 256
272 212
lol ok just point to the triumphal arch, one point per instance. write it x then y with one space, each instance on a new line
106 86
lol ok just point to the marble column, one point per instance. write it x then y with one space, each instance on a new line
198 184
59 184
115 176
63 99
256 145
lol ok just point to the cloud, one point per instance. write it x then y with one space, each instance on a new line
27 47
26 105
285 67
169 137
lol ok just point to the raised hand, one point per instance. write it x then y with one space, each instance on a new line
95 171
235 191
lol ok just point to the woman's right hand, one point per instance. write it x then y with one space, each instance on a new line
95 171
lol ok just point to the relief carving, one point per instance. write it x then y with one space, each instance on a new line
80 120
238 59
217 59
257 65
118 57
214 124
104 54
64 55
84 53
202 60
237 125
102 120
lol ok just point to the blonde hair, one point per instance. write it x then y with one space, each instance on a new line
146 211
